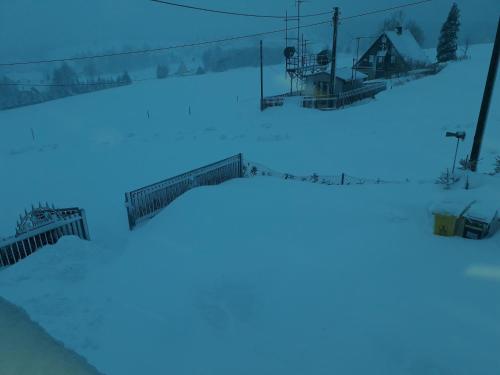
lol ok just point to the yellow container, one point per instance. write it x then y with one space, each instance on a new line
445 225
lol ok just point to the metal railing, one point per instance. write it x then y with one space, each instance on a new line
328 102
278 100
144 203
40 227
344 98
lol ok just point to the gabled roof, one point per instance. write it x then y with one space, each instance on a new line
407 46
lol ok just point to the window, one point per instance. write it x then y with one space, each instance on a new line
371 59
393 59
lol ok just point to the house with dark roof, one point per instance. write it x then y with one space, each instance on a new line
392 54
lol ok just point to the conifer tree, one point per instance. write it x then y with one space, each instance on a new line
447 45
162 71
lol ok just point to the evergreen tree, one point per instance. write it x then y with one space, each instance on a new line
162 71
124 79
9 93
65 81
447 45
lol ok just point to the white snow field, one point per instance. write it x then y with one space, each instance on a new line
260 275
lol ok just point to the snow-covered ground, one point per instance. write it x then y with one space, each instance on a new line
261 275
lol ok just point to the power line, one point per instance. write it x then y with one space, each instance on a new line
203 43
386 9
209 10
76 84
160 49
215 10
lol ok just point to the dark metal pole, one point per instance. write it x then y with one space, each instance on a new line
352 73
261 79
485 105
334 50
287 60
455 159
286 44
298 33
357 58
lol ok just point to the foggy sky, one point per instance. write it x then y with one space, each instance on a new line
49 28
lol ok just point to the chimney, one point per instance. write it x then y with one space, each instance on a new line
399 30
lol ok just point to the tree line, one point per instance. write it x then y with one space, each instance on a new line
64 81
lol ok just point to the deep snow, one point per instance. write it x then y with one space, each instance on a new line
259 275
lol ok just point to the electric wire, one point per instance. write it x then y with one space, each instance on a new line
186 45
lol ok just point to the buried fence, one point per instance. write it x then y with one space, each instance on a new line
254 169
39 227
142 204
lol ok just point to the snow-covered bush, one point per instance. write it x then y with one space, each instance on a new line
464 164
447 179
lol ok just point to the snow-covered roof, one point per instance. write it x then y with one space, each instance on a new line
343 73
407 46
484 210
454 208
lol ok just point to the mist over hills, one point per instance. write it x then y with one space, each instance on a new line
32 29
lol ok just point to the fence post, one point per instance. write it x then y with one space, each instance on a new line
342 179
131 221
85 227
241 165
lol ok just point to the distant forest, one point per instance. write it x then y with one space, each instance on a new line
64 82
93 75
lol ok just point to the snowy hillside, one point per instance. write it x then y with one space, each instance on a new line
259 275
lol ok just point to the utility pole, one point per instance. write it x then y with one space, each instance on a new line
334 50
286 43
357 56
299 2
485 105
261 79
299 51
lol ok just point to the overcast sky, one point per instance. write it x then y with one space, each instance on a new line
34 28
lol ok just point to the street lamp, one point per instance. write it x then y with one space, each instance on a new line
459 136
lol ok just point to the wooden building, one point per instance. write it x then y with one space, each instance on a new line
392 54
318 84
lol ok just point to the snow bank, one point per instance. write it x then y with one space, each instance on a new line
270 276
259 276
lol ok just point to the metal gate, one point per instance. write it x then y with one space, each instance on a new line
39 227
142 204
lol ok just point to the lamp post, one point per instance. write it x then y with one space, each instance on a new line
459 136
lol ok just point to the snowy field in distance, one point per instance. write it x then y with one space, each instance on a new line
259 276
